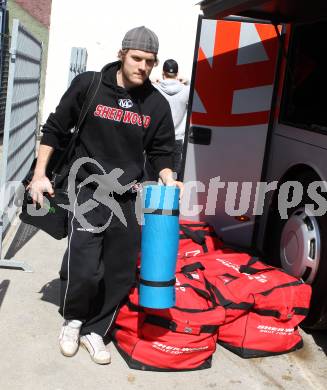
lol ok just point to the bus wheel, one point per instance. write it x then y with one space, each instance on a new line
299 246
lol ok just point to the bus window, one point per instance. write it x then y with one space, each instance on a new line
304 102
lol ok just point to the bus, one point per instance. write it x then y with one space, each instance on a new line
255 150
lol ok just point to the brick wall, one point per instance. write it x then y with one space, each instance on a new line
39 9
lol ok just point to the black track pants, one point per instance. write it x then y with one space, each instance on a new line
177 156
98 269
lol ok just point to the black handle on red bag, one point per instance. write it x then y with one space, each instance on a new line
290 284
227 303
212 293
197 236
192 267
203 293
194 235
207 294
247 269
180 328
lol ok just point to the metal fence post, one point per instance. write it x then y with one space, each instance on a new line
4 59
3 9
78 60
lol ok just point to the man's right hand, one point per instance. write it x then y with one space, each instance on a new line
37 187
40 182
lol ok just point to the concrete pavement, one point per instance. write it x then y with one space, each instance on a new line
30 357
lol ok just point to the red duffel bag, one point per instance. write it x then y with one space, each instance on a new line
265 332
196 238
280 303
177 339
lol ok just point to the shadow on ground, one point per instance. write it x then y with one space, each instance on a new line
319 337
3 290
50 292
23 235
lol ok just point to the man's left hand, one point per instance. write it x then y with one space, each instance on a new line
167 178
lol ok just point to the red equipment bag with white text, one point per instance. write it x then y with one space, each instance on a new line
279 303
177 339
258 335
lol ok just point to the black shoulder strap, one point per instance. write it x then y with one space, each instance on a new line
90 94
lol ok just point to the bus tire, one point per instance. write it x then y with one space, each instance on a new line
295 242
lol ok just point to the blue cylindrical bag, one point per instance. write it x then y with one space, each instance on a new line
159 246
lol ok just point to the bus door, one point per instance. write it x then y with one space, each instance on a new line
233 83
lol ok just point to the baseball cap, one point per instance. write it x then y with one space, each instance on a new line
170 66
141 38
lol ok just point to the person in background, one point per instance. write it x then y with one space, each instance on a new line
176 91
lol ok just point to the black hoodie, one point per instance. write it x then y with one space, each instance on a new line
112 133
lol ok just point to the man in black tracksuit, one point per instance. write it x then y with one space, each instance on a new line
127 117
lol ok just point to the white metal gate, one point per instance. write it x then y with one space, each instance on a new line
21 123
4 60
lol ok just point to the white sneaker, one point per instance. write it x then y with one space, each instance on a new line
69 337
94 344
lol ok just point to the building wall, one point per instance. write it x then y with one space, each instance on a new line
100 25
35 16
39 9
